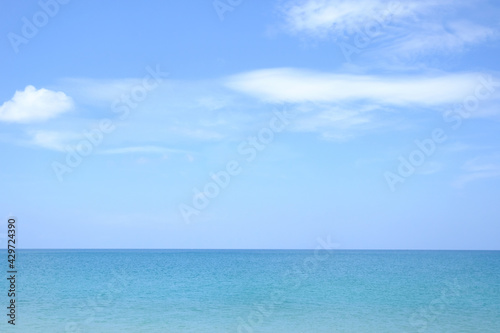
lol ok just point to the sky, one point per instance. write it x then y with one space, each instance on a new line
251 124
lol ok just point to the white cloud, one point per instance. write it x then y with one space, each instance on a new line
33 105
295 86
401 28
322 17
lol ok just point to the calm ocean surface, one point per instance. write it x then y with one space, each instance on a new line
254 291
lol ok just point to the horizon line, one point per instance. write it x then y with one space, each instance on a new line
259 249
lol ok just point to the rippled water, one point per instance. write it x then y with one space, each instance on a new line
255 291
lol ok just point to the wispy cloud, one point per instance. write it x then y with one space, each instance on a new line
194 109
143 150
64 140
400 28
430 168
335 106
483 167
457 147
32 105
434 38
105 92
320 18
53 140
333 122
294 85
339 106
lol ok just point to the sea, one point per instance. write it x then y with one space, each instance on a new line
237 291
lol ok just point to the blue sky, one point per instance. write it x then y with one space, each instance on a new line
251 124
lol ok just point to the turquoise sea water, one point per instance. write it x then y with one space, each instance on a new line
254 291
